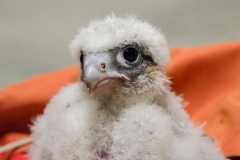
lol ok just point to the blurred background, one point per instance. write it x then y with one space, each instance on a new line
34 35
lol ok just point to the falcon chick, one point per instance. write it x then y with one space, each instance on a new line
123 109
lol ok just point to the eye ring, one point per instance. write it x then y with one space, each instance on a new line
130 54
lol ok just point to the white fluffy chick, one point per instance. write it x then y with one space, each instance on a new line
123 109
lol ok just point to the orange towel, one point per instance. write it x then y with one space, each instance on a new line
208 77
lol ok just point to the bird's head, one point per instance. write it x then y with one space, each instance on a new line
121 55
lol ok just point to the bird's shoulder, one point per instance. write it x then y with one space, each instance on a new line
69 94
71 99
72 105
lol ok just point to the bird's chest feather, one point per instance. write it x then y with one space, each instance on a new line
97 129
88 126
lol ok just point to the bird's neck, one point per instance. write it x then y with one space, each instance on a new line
147 91
118 102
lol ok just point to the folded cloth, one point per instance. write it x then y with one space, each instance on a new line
16 152
19 156
207 77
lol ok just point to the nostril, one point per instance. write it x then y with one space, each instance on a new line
103 66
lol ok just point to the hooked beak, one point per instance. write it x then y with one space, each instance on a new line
94 77
98 73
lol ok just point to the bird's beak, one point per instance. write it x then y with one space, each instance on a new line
98 72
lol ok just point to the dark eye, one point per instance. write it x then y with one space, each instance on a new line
130 54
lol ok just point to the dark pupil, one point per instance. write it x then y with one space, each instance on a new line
130 54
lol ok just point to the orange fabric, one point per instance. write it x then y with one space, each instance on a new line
207 76
209 79
20 156
12 137
19 103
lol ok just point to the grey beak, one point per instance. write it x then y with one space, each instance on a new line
97 68
92 75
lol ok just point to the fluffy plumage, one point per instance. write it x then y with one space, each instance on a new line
105 34
130 113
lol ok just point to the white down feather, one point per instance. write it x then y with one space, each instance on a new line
147 125
75 126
